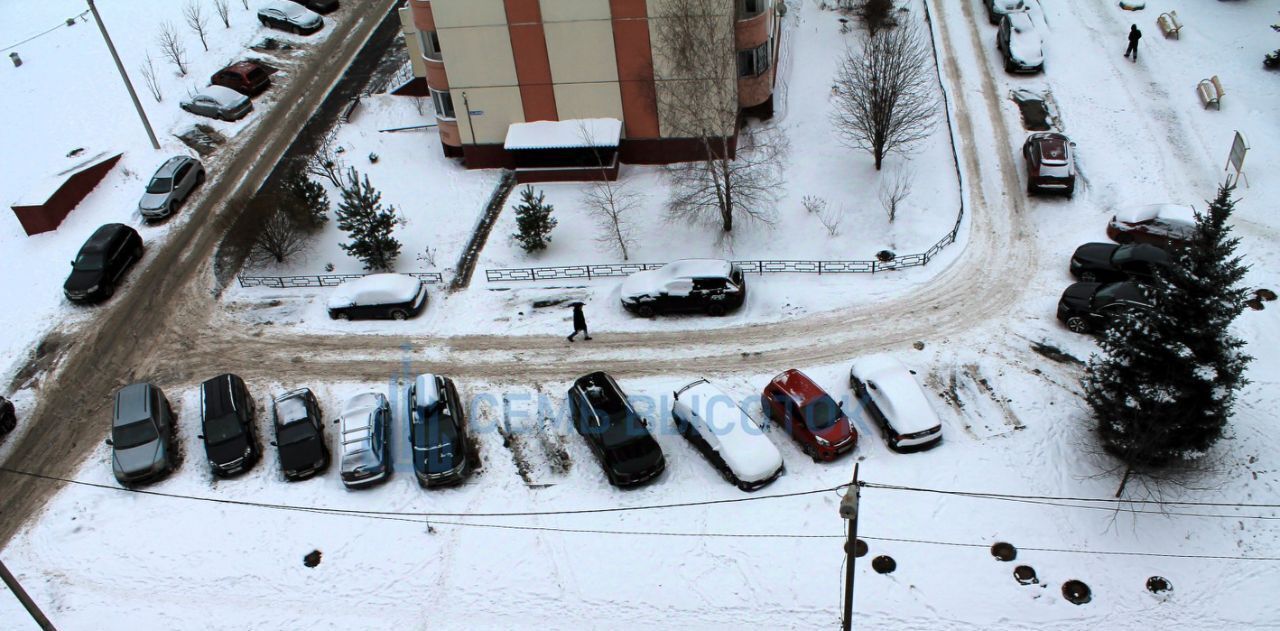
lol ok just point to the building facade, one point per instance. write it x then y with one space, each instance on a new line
494 64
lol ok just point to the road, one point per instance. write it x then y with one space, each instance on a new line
167 327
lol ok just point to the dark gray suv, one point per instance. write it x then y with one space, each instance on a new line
142 437
170 186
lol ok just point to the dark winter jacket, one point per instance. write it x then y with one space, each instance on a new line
579 320
1134 36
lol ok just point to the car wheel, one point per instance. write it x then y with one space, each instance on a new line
1078 324
263 21
645 311
398 314
1008 65
1071 192
715 309
200 178
108 290
812 452
341 315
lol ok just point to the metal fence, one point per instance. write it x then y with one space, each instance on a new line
321 280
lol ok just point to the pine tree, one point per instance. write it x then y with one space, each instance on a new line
369 225
307 199
1164 388
534 222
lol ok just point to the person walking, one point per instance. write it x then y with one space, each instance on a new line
1134 36
579 321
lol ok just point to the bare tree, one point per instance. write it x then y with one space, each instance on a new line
279 238
223 8
884 95
326 162
696 72
245 3
171 47
610 202
197 20
148 71
831 219
894 191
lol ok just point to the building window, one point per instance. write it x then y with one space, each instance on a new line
430 43
751 8
754 61
444 104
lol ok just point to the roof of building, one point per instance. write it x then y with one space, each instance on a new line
567 134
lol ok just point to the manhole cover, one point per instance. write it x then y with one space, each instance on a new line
859 548
1004 551
312 559
884 564
1076 592
1025 574
1159 585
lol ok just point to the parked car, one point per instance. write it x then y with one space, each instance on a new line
365 426
805 411
291 17
218 102
395 296
712 286
888 391
726 436
8 418
997 9
1167 226
226 416
1050 165
142 434
319 6
1088 307
1020 43
1108 262
437 431
101 262
245 77
299 434
171 184
617 435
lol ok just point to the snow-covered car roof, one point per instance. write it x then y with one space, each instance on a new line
291 406
375 289
1025 43
1177 213
425 391
357 421
896 393
655 280
291 9
225 97
746 450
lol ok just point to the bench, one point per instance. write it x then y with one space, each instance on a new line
1211 92
1169 24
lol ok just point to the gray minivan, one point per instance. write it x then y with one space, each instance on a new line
142 436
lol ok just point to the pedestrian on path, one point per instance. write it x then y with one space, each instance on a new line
579 321
1134 36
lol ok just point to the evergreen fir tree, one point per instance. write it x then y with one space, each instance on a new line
533 221
369 225
308 200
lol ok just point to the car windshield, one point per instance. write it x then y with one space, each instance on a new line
221 429
160 185
133 434
294 433
821 413
90 260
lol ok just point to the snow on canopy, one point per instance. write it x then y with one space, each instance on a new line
567 134
375 289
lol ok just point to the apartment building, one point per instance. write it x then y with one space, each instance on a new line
555 88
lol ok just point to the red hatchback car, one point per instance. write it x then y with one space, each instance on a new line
244 77
815 420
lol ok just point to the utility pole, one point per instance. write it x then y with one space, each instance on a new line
23 598
849 512
155 144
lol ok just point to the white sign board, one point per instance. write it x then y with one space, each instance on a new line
1239 147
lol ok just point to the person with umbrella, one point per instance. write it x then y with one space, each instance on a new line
579 321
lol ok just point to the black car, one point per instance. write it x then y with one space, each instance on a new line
226 417
101 262
299 435
291 17
619 437
711 286
437 431
1088 307
1108 262
8 418
319 6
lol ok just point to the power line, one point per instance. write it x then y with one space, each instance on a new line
43 33
895 487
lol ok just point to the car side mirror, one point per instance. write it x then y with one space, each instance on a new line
200 437
72 263
108 441
273 444
335 421
840 404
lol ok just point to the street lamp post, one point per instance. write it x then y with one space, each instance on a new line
124 75
849 512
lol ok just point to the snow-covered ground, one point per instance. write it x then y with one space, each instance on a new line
102 559
67 95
